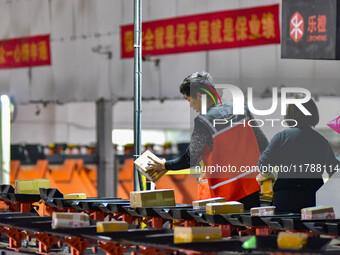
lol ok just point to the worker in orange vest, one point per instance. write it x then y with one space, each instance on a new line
229 151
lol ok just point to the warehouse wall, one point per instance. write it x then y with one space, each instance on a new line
75 122
83 30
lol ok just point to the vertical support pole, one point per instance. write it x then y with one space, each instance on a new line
137 87
5 139
106 177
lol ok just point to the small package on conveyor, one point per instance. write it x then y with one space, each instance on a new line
142 165
75 196
224 208
111 226
152 198
200 204
317 213
196 234
31 186
70 220
292 240
262 211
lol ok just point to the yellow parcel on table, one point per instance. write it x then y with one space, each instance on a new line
152 198
196 234
225 207
31 186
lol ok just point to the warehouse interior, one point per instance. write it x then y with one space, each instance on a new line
71 129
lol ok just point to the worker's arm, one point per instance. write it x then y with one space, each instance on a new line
270 156
199 139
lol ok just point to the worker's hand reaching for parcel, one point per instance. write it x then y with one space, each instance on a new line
155 167
260 178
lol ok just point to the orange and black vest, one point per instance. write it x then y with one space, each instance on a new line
234 154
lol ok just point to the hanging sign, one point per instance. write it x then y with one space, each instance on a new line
309 29
210 31
25 52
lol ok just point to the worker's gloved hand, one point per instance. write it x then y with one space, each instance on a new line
155 167
265 176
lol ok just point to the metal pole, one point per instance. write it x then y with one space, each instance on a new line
106 175
137 86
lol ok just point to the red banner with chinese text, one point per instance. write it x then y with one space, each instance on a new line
218 30
25 52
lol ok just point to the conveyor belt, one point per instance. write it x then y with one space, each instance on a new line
114 207
314 246
162 239
174 213
288 222
323 227
151 211
14 197
166 241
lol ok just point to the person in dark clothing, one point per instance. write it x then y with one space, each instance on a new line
301 155
202 139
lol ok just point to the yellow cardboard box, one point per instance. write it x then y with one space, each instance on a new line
31 186
224 208
152 198
111 226
292 240
196 234
75 196
200 204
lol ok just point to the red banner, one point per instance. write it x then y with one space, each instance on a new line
25 52
218 30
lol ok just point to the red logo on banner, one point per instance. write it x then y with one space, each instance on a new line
296 27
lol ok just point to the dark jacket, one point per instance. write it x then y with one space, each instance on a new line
301 156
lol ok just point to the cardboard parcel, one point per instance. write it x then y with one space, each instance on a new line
152 198
70 220
142 165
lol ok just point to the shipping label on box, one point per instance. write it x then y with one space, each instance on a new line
70 220
152 198
225 208
200 204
